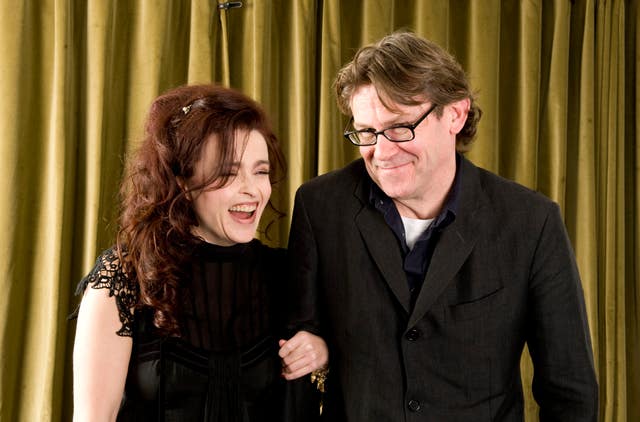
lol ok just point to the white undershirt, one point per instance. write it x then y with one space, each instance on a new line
413 228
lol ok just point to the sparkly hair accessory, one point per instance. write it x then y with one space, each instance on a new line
178 117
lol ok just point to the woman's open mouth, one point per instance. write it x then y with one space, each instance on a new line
243 211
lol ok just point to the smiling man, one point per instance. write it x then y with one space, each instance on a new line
427 275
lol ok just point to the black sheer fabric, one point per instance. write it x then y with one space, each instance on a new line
232 300
225 366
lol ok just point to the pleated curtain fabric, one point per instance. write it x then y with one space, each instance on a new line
558 82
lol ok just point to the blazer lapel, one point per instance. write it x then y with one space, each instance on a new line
455 244
383 247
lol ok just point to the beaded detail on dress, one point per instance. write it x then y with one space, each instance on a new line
108 274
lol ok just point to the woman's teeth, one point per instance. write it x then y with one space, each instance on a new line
243 208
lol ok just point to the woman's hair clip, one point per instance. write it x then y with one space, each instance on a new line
186 109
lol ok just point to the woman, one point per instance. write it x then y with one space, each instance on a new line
183 315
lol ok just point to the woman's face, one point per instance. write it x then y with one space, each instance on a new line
230 214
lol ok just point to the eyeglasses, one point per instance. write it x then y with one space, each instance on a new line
399 133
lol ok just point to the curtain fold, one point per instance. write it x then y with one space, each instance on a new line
11 216
480 55
632 247
558 82
580 196
610 206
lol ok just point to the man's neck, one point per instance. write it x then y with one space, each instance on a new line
429 204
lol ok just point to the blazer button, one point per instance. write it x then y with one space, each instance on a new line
412 335
414 405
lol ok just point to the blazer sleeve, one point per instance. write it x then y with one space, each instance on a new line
302 289
564 383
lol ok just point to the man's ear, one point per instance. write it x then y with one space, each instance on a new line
183 186
457 114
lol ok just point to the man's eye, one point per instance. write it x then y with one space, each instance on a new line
400 130
366 134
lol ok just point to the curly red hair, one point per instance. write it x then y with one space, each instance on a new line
154 240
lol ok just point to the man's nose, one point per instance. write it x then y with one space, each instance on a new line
384 148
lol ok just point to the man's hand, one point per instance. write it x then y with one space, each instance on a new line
302 354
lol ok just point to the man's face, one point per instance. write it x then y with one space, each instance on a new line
408 172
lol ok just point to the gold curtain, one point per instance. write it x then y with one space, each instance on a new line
558 82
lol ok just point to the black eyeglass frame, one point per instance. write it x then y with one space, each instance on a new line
347 134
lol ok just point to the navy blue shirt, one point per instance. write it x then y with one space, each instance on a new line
416 261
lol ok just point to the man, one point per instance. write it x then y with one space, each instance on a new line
427 275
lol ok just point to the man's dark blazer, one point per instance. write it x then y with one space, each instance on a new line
503 274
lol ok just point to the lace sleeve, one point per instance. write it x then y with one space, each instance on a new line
108 274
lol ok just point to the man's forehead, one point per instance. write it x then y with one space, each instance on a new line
368 97
371 110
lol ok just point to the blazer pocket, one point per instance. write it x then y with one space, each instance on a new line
477 308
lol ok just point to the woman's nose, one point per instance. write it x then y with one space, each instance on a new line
247 183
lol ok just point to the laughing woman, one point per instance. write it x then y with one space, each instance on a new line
180 320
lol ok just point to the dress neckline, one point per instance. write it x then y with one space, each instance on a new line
213 252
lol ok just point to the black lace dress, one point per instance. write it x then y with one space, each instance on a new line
225 366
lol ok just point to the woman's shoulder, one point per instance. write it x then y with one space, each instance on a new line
108 273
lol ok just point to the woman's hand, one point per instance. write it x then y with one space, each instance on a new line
302 354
